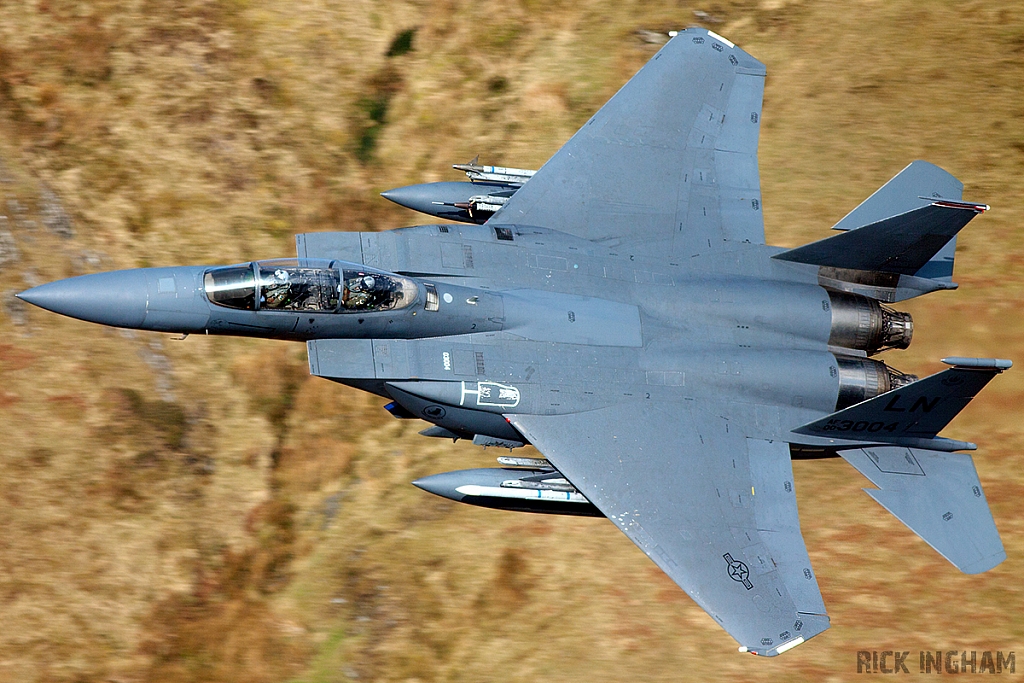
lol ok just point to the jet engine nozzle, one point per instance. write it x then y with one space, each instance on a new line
866 325
864 378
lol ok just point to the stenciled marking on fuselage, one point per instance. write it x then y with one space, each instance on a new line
446 358
491 394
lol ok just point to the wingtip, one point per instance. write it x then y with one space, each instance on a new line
714 35
789 645
774 651
982 565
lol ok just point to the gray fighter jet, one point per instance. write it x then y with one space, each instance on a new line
623 314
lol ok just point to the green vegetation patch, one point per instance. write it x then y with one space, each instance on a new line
402 43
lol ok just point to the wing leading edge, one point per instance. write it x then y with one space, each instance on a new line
716 511
669 164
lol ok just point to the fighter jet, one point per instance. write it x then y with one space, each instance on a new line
623 314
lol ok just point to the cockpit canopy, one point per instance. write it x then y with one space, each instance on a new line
308 285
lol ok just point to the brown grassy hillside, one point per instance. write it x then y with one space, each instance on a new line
202 510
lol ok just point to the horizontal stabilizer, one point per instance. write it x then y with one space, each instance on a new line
913 412
939 497
900 244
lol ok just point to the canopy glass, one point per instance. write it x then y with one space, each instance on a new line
308 285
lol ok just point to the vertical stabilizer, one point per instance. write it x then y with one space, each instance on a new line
898 243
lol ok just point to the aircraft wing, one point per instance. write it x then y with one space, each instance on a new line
715 510
668 165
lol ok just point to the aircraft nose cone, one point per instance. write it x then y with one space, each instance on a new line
117 298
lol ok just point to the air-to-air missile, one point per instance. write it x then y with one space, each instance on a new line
476 173
488 189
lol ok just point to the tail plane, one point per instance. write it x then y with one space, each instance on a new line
914 414
935 493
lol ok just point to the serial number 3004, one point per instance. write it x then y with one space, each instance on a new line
859 426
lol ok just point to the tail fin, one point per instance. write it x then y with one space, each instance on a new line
898 243
901 245
909 189
939 497
915 413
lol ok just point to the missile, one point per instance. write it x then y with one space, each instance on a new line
495 174
523 490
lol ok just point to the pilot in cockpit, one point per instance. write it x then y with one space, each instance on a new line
274 292
360 292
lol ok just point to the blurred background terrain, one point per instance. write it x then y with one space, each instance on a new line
202 510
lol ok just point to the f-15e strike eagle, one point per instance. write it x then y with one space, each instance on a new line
620 311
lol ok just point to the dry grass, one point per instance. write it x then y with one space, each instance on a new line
204 511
